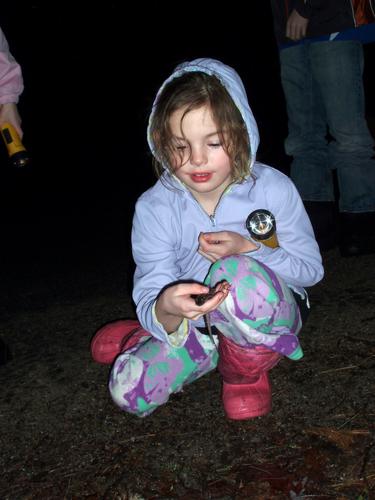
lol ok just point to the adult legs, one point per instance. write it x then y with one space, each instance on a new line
338 69
307 126
307 142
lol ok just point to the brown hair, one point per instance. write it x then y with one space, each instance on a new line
191 91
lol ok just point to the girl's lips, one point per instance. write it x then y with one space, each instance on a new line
201 177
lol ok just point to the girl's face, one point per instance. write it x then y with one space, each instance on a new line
199 158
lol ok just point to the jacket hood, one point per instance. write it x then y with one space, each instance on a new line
233 84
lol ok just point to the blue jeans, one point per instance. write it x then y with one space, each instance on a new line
324 92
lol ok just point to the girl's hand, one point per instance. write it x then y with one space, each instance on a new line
176 303
214 246
9 113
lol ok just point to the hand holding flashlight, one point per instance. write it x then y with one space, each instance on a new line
16 150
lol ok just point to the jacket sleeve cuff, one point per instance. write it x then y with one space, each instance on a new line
303 9
261 251
9 98
176 338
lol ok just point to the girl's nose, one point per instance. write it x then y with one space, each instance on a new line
198 157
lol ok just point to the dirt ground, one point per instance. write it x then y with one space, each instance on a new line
63 438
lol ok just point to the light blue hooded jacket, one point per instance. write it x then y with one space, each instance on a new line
168 220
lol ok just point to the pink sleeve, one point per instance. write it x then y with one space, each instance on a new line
11 82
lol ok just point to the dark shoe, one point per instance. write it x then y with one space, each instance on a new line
5 355
322 215
357 233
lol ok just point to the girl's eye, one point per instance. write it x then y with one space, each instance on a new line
214 144
180 148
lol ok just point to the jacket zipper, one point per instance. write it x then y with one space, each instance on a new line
213 215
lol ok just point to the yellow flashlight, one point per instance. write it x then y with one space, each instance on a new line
261 225
16 150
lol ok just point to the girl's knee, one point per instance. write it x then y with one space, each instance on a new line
257 294
138 407
239 270
139 386
125 383
132 400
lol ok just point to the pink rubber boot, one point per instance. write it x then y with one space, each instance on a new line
113 338
246 386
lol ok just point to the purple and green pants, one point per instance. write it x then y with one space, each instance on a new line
260 310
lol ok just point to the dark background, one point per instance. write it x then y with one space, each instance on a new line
91 73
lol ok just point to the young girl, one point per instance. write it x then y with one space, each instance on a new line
189 237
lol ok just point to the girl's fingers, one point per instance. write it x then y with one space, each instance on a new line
213 302
196 317
211 258
193 289
210 305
